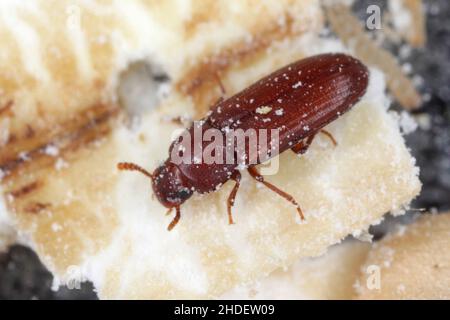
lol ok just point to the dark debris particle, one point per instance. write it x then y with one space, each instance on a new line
23 277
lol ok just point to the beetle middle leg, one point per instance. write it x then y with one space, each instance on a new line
230 202
303 145
258 177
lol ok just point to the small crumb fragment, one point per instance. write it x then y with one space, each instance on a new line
363 235
297 85
263 110
56 227
407 123
60 164
24 156
424 121
51 150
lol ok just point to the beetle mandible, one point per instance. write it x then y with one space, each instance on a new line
298 100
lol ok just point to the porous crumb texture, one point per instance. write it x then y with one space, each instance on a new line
330 276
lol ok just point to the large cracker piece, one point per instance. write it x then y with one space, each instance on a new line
86 219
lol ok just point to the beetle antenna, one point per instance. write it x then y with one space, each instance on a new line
133 167
175 219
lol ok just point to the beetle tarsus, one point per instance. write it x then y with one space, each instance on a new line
258 177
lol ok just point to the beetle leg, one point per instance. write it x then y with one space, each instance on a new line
222 89
221 99
219 81
302 146
175 219
330 136
258 177
230 203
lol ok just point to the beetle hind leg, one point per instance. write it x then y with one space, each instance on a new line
302 146
258 177
330 136
230 202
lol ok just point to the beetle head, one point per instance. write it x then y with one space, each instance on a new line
170 185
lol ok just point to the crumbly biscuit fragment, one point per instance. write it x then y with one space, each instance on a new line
330 276
414 262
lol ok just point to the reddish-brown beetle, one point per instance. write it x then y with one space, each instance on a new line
297 100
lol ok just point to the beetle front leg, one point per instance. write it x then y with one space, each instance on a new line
230 202
258 177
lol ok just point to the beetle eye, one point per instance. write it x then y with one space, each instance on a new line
184 194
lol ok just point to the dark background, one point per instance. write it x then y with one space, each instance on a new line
22 276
